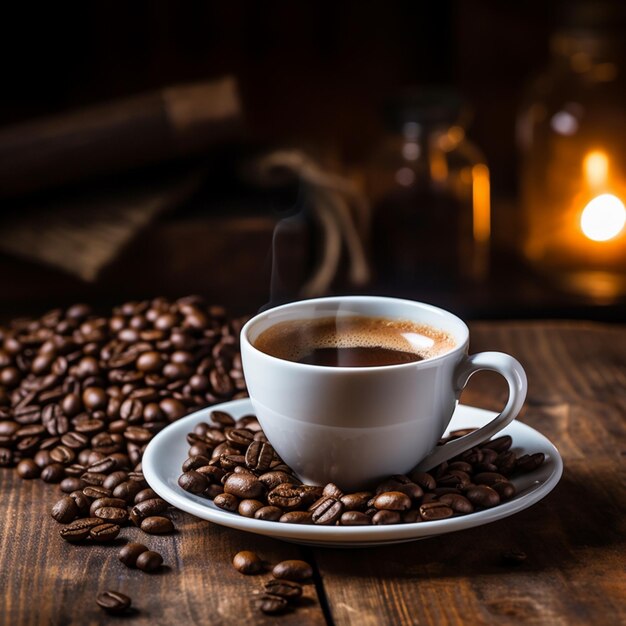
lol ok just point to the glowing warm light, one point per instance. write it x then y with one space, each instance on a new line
596 168
481 203
603 218
564 123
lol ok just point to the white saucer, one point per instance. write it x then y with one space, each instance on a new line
165 454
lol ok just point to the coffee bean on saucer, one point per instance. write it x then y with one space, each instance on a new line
392 501
326 511
130 553
193 482
245 486
355 501
506 490
259 456
296 517
149 561
247 508
247 562
226 501
293 569
529 462
113 602
384 517
435 511
355 518
483 496
268 513
458 503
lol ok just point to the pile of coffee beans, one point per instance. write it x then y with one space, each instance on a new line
284 591
232 463
81 395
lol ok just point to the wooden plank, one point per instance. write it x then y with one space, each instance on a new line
574 539
44 580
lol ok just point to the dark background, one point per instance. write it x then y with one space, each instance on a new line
312 75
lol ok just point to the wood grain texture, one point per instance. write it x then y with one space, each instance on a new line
574 539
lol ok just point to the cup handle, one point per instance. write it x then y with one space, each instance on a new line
514 375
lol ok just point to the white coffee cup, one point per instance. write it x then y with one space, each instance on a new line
356 425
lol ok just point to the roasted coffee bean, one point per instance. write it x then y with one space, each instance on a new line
459 504
244 486
499 444
505 462
226 501
232 461
65 510
489 478
293 569
274 478
105 466
355 518
130 552
93 478
425 480
27 469
259 456
288 589
114 514
100 502
128 489
356 501
79 529
384 517
506 490
325 511
75 441
70 484
96 491
115 479
62 454
193 482
194 462
482 496
435 511
286 496
113 602
489 455
221 418
461 466
104 533
149 508
53 473
402 484
240 437
296 517
149 561
247 508
82 501
268 513
157 525
271 604
246 562
212 473
392 501
75 470
529 462
145 494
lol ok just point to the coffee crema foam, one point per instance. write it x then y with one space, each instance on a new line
293 340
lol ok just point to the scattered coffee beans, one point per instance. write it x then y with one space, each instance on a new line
293 570
130 553
247 562
113 602
149 561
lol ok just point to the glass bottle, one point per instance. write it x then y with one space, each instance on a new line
430 191
572 137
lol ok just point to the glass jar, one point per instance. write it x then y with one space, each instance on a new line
572 136
430 191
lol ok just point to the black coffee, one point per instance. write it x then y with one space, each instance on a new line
353 341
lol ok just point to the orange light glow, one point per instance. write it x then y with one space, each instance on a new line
481 203
603 218
596 168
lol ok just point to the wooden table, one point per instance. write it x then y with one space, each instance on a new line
574 538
